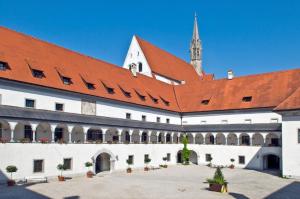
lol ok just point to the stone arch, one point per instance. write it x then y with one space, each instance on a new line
209 138
193 158
125 136
77 135
272 139
153 137
23 132
175 138
181 137
232 139
271 162
190 138
5 131
112 136
43 133
61 133
199 139
168 138
135 137
220 139
94 135
144 137
244 139
161 138
112 159
257 139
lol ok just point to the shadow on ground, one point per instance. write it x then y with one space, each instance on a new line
289 192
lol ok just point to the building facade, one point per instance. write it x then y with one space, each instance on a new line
59 106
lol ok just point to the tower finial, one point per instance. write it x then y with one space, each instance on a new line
196 48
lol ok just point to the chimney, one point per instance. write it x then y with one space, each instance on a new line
132 68
230 75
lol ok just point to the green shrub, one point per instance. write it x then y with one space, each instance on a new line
185 151
11 169
218 178
61 168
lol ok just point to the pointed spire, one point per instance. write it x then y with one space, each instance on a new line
196 48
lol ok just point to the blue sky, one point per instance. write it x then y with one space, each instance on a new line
248 36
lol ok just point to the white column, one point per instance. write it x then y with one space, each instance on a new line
130 136
33 128
149 136
140 134
226 136
52 128
70 128
165 137
238 138
250 137
172 137
194 136
103 134
85 130
215 137
12 125
265 138
120 135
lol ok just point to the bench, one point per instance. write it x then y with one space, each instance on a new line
35 179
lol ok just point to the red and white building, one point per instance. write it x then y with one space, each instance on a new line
59 106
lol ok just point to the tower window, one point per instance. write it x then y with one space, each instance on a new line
38 73
140 67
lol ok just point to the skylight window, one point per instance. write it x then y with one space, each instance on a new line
3 66
38 73
247 99
205 102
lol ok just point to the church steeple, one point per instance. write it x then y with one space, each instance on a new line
196 49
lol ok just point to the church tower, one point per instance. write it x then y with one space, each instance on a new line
196 49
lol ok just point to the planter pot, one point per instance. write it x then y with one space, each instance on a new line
89 174
129 170
61 178
165 166
218 188
146 169
11 183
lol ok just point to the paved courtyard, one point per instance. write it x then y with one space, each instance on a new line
174 182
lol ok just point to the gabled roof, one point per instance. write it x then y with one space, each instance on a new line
291 103
167 65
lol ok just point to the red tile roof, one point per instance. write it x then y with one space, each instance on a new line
267 90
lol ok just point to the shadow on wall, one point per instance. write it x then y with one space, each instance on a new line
290 191
18 191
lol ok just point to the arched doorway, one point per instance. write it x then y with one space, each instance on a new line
271 162
102 163
193 157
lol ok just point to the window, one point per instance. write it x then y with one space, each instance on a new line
168 157
37 73
90 86
28 132
38 166
144 118
298 136
128 116
274 120
248 121
207 157
131 158
224 121
68 163
146 157
140 67
59 107
158 119
66 80
168 121
247 99
29 103
241 159
205 102
3 66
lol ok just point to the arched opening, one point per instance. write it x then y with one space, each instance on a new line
190 138
161 138
220 139
153 137
43 133
244 139
5 131
193 158
232 139
61 134
209 139
144 137
257 139
77 135
102 163
135 137
271 162
23 132
112 136
272 140
95 135
175 138
125 137
168 138
199 138
140 67
181 138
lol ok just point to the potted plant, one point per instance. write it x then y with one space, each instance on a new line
61 168
218 183
147 161
11 169
232 165
165 161
185 152
89 174
129 162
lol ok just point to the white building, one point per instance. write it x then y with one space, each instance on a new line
58 106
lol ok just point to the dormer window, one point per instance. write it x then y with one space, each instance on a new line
3 66
153 97
205 102
167 103
66 80
247 99
90 86
109 88
141 94
88 82
125 90
38 73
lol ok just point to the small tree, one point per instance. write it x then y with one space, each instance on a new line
88 165
61 168
147 161
218 178
185 151
11 169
